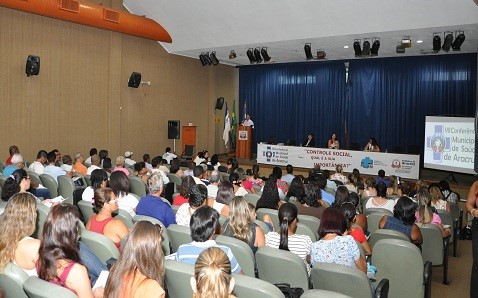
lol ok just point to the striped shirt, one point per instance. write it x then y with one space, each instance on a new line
188 253
298 244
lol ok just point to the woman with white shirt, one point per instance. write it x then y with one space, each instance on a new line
119 184
99 179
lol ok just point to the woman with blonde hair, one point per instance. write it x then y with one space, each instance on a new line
393 189
212 275
240 225
437 198
135 274
425 214
16 245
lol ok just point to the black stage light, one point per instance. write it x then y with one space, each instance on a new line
250 55
357 49
366 48
375 47
213 58
232 55
257 55
436 43
265 55
308 51
459 39
448 40
321 54
202 59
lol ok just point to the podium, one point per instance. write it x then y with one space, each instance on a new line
188 137
244 136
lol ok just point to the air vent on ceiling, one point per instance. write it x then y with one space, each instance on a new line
70 5
111 15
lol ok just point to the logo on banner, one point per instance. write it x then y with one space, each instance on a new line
438 143
396 164
268 153
367 163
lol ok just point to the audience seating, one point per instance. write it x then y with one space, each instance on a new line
165 243
101 245
311 221
176 180
374 219
136 196
361 249
386 234
125 217
88 180
11 281
222 169
342 279
50 183
34 176
66 187
137 186
177 277
42 213
252 198
272 213
175 209
302 229
178 235
242 252
314 293
2 180
264 227
38 288
280 266
447 219
251 287
86 209
368 211
401 263
435 248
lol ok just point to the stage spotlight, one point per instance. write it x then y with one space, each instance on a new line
436 43
358 51
257 55
448 40
265 55
213 58
400 49
308 51
232 55
250 55
207 58
202 59
366 47
406 41
375 46
321 54
459 39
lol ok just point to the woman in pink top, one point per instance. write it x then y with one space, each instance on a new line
104 203
59 257
425 214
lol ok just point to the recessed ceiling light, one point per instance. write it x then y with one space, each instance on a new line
346 47
419 41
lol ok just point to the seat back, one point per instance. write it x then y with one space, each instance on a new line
3 178
252 198
177 277
125 217
311 221
50 183
101 245
314 293
265 228
137 186
176 180
34 177
281 266
242 252
447 219
178 235
42 213
373 220
302 229
165 243
332 277
272 213
88 180
188 152
86 209
369 211
252 287
66 187
401 263
432 247
39 288
386 234
222 169
11 281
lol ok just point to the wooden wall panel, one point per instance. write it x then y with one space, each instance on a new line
80 99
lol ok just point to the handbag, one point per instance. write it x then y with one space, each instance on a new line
465 233
288 291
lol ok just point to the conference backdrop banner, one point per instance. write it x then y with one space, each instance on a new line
402 165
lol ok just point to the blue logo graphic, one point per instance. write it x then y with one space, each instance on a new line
367 163
438 143
268 154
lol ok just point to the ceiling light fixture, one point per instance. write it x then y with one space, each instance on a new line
375 46
202 59
232 55
257 55
357 49
459 39
213 58
366 47
447 41
346 47
400 49
436 42
265 55
250 55
406 41
321 54
419 41
308 51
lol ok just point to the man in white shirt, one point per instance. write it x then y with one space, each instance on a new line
214 180
248 121
156 163
168 156
289 176
38 165
128 161
93 151
53 170
95 164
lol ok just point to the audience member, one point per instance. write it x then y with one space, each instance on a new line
19 182
341 196
448 194
214 180
350 214
322 182
352 183
128 160
93 151
157 167
11 151
369 188
201 157
311 203
141 171
425 214
393 188
380 200
119 184
438 201
147 161
225 194
168 155
38 166
79 167
95 164
198 175
107 165
135 274
289 176
339 175
16 163
190 170
98 179
175 168
270 196
183 197
360 218
197 198
67 163
296 189
103 154
120 166
232 164
282 186
236 181
215 162
381 178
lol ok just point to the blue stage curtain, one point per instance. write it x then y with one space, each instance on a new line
388 98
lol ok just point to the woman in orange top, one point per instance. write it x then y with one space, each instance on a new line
137 274
104 203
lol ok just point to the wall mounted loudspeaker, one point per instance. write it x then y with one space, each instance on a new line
33 66
173 129
219 103
134 80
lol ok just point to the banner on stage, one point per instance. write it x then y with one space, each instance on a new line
402 165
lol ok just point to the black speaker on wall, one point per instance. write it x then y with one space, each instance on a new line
134 80
219 103
173 129
32 67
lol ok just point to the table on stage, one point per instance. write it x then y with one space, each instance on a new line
369 163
